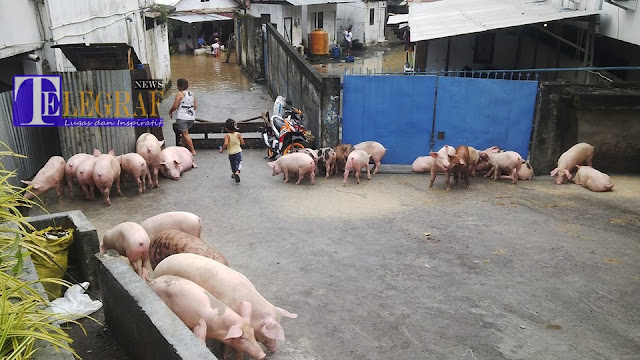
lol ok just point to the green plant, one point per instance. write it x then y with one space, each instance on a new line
24 317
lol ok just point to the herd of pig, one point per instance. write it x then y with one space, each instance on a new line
195 281
103 170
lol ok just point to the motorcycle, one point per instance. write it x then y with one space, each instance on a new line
284 130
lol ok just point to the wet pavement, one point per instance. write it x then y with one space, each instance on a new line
389 58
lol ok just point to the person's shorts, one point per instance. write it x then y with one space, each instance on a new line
184 125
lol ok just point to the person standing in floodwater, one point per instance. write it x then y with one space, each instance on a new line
233 142
186 105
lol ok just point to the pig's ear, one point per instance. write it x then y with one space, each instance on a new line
272 164
161 142
245 309
27 182
234 332
273 330
96 152
111 152
434 155
163 163
177 162
568 174
462 162
285 313
554 172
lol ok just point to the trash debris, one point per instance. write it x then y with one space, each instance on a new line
500 251
76 302
427 233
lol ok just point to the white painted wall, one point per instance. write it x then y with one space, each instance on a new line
19 28
187 5
357 15
620 24
158 52
329 22
278 14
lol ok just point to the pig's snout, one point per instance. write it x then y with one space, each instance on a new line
261 356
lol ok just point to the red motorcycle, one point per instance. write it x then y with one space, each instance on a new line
282 135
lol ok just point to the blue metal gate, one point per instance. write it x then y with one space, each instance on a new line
405 114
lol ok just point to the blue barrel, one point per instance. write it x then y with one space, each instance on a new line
336 51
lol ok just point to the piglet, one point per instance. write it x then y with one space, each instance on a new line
136 166
423 164
578 154
375 150
232 288
84 175
526 171
296 162
207 316
459 166
499 161
105 172
173 220
327 158
442 161
51 176
474 158
311 152
128 239
175 160
592 179
342 153
71 167
150 149
357 160
169 242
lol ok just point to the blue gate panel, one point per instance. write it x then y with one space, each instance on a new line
395 110
485 112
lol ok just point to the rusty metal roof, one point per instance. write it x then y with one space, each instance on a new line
445 18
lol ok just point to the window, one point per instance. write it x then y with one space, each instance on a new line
266 18
372 16
149 23
318 20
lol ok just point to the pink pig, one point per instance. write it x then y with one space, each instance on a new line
295 162
84 175
134 165
423 164
105 172
592 179
207 316
526 171
70 169
150 148
175 160
578 154
375 150
499 161
232 288
173 220
128 239
327 157
442 161
51 176
357 160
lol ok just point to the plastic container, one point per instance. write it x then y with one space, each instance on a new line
349 58
336 51
319 42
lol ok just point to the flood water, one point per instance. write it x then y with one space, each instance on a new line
390 58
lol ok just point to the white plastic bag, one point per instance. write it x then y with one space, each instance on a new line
76 302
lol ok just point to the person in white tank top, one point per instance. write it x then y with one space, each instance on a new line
185 103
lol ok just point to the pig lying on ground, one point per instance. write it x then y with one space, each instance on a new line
105 172
459 166
150 149
70 169
442 160
51 176
592 179
375 150
342 153
134 165
357 160
84 175
128 239
423 164
526 171
174 161
232 288
578 154
173 220
327 158
295 162
169 242
503 161
207 316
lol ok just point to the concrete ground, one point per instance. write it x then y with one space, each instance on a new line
389 270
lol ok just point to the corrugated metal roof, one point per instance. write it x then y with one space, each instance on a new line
398 19
315 2
196 18
445 18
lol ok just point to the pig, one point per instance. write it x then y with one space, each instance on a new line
327 157
105 172
70 169
169 242
51 176
459 165
442 160
526 171
173 220
232 288
423 164
175 161
207 316
342 153
474 158
592 179
375 150
150 149
296 162
136 166
311 152
482 165
357 160
578 154
84 175
130 240
508 161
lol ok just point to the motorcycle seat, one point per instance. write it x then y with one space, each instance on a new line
277 121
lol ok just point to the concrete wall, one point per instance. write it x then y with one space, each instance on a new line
250 46
19 27
605 116
277 14
157 40
186 5
328 21
357 14
620 24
